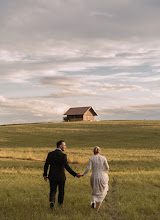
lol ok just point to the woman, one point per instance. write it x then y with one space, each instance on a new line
99 178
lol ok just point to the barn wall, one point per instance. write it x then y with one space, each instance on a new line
88 116
75 117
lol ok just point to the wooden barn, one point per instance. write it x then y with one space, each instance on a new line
80 114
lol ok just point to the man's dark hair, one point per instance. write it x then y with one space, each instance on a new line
59 143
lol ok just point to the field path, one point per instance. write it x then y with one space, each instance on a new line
110 201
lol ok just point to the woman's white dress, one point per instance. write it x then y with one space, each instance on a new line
99 178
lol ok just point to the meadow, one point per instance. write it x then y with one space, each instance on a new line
132 149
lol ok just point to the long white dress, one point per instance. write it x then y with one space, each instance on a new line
99 178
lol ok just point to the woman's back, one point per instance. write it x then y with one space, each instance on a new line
98 164
99 178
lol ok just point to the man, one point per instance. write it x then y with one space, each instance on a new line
57 161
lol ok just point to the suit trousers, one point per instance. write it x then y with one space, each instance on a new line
53 190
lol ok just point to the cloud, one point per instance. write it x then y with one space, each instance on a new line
77 56
59 81
36 24
75 50
30 109
84 85
132 112
143 78
68 86
109 87
10 57
101 14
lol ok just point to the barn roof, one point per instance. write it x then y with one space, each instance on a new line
80 111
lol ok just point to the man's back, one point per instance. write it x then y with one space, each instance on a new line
57 161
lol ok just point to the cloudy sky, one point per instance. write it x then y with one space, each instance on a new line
70 53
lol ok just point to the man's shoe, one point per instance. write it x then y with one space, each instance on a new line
93 205
51 206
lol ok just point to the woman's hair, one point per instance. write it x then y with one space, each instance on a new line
96 150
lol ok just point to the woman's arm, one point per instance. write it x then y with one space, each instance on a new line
106 165
88 168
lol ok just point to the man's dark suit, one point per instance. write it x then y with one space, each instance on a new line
57 161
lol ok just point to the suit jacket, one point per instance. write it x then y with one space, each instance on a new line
58 163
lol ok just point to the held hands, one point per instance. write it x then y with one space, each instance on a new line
79 175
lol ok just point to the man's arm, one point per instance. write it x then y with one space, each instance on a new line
68 168
46 165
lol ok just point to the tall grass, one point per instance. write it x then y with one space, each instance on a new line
116 134
131 148
24 194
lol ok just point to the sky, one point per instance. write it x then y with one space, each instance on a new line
59 54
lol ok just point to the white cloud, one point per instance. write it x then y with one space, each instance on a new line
99 13
2 99
134 112
8 56
32 108
76 48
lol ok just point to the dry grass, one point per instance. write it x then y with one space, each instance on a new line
82 155
131 148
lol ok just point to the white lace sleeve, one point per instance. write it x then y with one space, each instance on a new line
106 164
88 168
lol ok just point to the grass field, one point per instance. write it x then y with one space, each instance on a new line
132 149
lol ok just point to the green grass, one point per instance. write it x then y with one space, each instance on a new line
114 134
133 154
132 194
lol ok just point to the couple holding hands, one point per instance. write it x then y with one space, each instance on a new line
57 161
